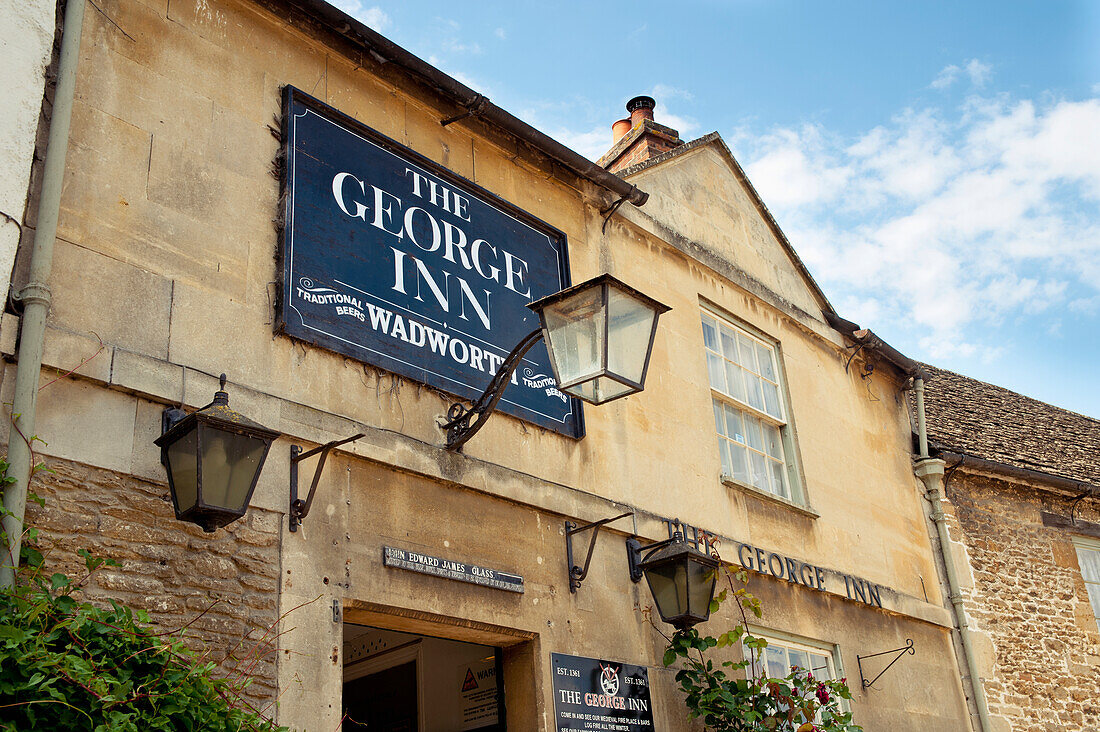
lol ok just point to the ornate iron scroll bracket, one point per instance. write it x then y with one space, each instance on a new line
577 573
299 509
458 425
907 648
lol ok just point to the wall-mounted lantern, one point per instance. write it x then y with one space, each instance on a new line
680 577
213 458
599 335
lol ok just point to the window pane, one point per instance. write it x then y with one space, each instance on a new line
710 334
734 430
724 452
735 377
739 469
752 431
771 399
777 661
729 345
773 445
1094 598
764 361
748 353
752 392
719 418
779 486
716 371
1089 559
819 666
800 659
759 471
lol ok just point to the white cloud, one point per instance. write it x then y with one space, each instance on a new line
975 70
373 17
500 33
946 77
978 72
947 221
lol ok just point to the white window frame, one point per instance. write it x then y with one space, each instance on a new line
793 491
1092 586
789 641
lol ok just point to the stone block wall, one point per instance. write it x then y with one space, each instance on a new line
1028 598
221 587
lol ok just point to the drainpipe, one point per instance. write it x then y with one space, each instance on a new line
35 296
930 471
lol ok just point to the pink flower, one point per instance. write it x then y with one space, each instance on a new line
822 694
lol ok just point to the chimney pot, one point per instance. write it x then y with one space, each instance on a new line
620 128
640 108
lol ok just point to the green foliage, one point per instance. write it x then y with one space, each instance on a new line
68 665
729 697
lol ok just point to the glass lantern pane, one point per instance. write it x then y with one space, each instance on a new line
668 584
701 580
599 390
576 331
183 463
629 328
229 463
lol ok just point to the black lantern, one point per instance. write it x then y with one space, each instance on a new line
600 336
680 577
213 458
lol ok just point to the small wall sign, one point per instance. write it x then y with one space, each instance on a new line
450 569
601 695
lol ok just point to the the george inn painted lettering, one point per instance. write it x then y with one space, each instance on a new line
783 567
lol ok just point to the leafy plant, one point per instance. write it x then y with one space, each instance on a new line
69 665
738 696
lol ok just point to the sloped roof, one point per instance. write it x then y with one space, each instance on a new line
715 139
974 418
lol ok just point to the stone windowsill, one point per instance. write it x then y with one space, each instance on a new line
729 482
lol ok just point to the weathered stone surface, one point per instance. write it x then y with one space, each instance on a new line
1029 600
165 569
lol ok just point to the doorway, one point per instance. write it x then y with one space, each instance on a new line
404 682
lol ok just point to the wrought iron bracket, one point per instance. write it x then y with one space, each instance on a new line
576 573
907 648
634 549
458 425
299 509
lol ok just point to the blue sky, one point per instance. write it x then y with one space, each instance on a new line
935 164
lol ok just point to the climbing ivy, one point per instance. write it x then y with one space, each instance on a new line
734 697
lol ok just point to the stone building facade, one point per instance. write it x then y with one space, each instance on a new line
1022 484
169 269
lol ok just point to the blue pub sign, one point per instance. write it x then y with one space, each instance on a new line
397 262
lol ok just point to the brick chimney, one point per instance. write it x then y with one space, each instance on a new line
638 138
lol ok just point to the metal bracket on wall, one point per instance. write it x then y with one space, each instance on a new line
473 108
299 509
907 648
576 573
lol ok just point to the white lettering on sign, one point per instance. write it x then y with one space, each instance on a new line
418 225
449 569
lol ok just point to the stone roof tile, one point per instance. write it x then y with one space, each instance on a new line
989 422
